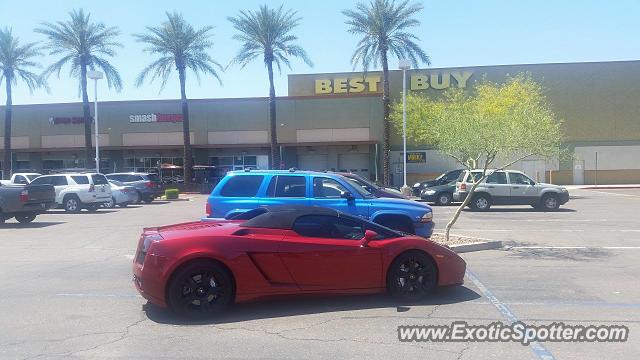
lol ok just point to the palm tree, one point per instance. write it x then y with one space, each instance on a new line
266 33
16 61
384 25
182 47
83 45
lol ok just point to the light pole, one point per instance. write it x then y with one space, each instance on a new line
404 65
96 75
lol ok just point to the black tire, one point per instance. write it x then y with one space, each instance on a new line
398 223
26 218
444 199
139 199
188 288
2 218
480 202
412 276
124 204
111 204
72 204
148 200
549 202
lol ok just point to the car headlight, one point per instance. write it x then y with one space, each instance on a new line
429 192
416 185
427 217
148 239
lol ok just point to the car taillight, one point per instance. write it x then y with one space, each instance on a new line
149 184
463 187
209 210
24 195
125 190
92 188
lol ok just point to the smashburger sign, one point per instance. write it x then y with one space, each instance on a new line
155 118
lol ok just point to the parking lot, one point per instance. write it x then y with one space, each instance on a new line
67 292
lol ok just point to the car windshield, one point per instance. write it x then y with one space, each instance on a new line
359 188
116 183
363 182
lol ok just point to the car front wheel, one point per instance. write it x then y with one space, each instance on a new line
200 288
444 199
550 202
412 276
25 218
481 202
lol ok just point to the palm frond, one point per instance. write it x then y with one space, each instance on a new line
17 61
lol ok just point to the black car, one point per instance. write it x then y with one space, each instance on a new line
443 179
439 194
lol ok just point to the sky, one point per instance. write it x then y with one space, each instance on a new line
453 33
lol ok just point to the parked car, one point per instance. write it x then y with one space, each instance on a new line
509 187
241 191
25 202
121 195
148 186
443 179
199 268
77 191
20 178
375 189
439 194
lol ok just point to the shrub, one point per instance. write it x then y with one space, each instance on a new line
171 194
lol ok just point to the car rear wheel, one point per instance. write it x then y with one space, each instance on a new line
71 203
200 288
411 276
92 207
444 199
25 218
481 202
124 204
138 198
550 202
148 199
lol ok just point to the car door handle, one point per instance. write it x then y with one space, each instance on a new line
491 187
516 187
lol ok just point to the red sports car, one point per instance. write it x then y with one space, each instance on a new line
201 267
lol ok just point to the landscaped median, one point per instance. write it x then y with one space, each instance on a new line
462 244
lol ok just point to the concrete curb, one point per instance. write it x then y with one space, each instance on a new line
609 187
477 246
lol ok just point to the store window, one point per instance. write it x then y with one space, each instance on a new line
48 165
236 162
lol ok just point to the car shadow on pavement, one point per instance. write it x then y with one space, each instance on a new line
156 202
33 225
303 305
83 212
519 210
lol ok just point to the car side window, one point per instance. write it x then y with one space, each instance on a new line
242 186
81 179
20 179
59 181
325 226
519 179
45 180
287 186
327 188
498 177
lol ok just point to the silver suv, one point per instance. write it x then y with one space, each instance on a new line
509 187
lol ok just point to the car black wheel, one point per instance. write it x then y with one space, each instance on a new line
481 202
25 218
412 275
138 198
200 288
148 200
111 203
124 204
92 207
550 202
444 199
71 203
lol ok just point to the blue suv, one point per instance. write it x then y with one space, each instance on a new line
241 191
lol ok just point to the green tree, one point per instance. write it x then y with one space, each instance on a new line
16 63
83 45
384 28
490 127
178 45
266 33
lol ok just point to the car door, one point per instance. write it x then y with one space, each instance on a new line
323 253
523 189
328 192
286 190
498 188
59 183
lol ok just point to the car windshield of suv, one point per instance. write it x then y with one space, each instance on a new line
99 179
359 188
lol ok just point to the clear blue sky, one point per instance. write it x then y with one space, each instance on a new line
454 33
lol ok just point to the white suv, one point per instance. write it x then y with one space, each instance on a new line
76 191
509 187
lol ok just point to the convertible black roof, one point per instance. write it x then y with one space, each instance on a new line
283 217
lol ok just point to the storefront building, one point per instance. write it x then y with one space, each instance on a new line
334 122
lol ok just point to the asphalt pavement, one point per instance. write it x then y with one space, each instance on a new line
66 291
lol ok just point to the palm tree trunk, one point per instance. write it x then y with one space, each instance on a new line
6 164
386 132
88 148
186 134
275 154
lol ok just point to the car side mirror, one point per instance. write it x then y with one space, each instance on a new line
368 236
347 195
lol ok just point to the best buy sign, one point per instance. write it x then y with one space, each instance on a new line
371 84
